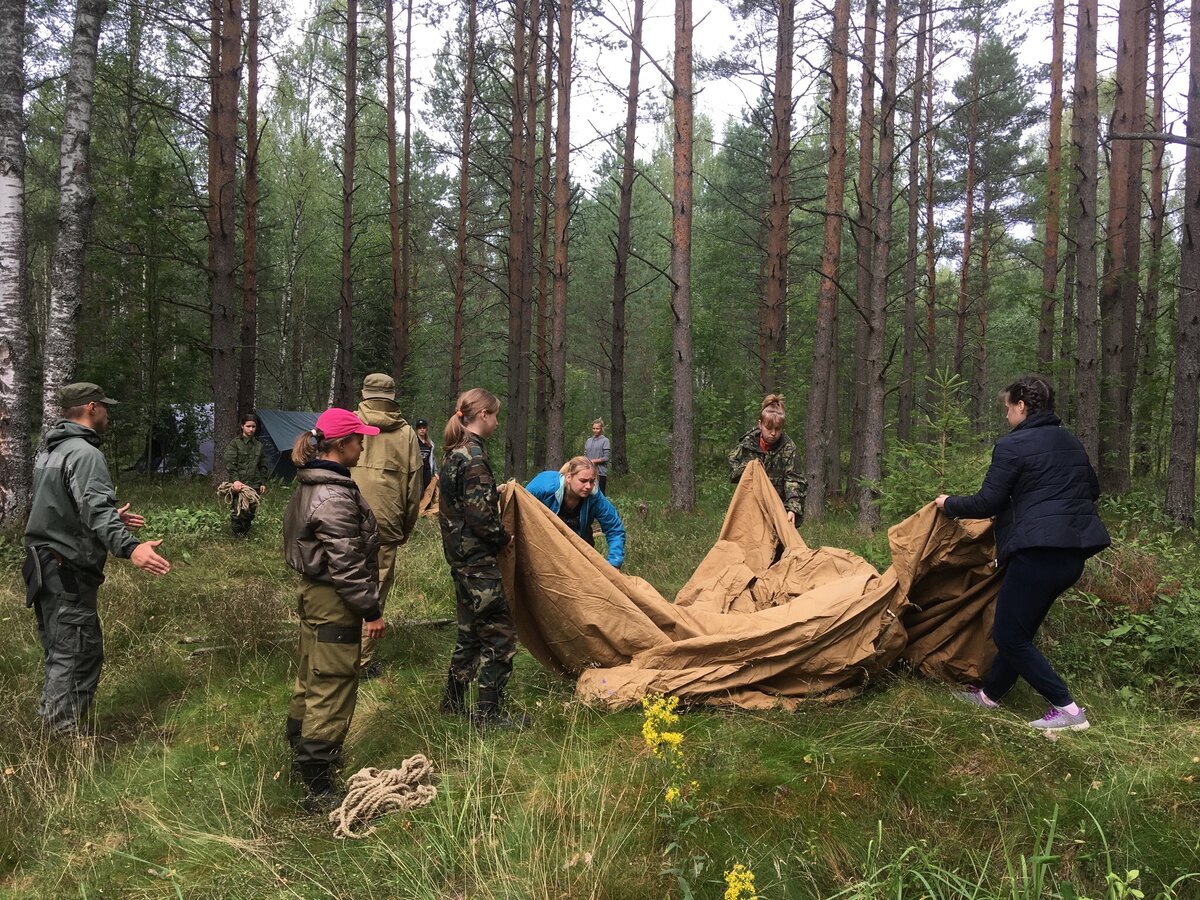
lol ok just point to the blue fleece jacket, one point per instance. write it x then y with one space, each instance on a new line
550 486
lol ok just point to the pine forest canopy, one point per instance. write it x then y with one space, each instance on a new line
884 211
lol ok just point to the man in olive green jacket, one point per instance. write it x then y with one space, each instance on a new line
389 475
246 470
74 524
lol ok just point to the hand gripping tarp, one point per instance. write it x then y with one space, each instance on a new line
764 621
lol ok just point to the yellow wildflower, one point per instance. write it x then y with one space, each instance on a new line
672 794
739 884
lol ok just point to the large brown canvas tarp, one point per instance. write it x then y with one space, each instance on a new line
764 621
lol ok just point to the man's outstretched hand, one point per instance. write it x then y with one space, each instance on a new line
130 520
146 558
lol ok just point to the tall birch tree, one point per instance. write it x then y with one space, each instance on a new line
15 415
60 357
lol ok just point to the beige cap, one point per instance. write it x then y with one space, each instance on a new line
379 386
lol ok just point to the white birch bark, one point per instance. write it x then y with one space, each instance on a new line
15 472
76 198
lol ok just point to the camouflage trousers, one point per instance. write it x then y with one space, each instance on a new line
487 635
387 577
72 648
326 688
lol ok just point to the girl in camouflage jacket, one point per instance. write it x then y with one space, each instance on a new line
472 536
767 443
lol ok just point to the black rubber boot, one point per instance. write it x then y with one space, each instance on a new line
454 697
321 797
489 713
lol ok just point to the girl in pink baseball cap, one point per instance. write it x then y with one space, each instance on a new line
331 538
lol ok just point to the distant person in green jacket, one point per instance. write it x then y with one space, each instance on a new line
74 524
246 471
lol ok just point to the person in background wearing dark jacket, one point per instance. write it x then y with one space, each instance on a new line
472 536
777 452
246 469
74 524
330 537
428 460
1042 490
571 494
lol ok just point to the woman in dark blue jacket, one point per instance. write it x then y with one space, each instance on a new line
1042 490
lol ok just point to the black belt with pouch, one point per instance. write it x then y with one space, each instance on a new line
36 568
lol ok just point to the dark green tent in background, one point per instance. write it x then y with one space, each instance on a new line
277 431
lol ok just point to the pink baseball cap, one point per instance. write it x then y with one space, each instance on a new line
336 423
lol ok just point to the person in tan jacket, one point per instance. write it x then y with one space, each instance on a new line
331 539
389 475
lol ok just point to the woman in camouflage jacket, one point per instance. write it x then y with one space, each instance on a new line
777 452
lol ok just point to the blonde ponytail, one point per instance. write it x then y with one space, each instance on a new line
470 404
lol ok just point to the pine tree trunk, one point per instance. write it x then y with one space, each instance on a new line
562 216
16 485
528 198
981 312
1119 289
964 272
343 379
930 223
464 205
774 338
60 356
516 433
1146 401
864 239
823 384
248 374
872 423
620 455
541 359
1053 177
393 181
683 415
401 317
1181 469
222 188
1083 210
907 388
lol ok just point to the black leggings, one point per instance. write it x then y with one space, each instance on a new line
1033 580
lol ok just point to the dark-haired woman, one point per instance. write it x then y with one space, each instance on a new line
472 536
768 443
330 537
1042 490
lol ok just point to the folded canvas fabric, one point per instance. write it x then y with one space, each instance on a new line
764 621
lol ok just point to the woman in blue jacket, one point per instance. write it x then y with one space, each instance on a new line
1042 490
571 493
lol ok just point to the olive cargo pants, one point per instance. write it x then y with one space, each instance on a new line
327 675
72 647
387 577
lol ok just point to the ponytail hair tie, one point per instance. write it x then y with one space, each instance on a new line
313 432
458 412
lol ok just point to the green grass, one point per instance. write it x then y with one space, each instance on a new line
898 793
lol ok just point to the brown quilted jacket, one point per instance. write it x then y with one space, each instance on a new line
330 536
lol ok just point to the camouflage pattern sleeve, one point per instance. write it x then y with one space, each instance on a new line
481 505
795 486
738 460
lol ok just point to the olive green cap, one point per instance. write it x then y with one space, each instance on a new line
82 392
379 386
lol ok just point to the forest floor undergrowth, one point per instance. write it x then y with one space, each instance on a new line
185 791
